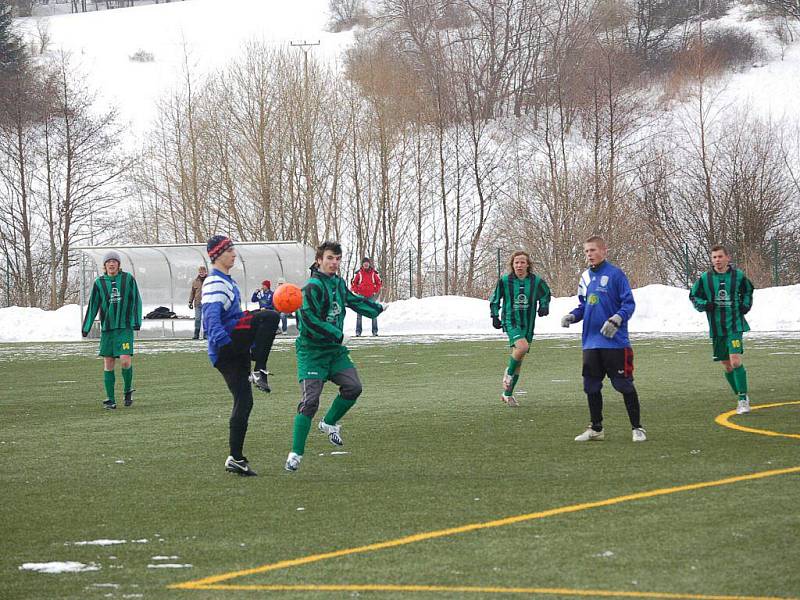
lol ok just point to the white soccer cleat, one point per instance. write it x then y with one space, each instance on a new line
506 381
332 431
509 400
743 406
639 434
590 435
293 462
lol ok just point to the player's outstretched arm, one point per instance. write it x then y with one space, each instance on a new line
364 307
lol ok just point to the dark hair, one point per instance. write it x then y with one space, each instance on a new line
716 247
515 255
334 247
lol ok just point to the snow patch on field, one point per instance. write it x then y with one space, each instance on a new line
56 567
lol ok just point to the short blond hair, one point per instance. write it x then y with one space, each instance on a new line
596 239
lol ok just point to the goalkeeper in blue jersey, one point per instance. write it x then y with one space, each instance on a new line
605 307
516 297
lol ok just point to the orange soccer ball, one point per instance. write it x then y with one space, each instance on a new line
288 298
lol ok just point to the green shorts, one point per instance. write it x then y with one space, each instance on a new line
321 363
725 346
517 334
116 342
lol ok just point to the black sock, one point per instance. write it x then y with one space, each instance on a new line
632 406
596 410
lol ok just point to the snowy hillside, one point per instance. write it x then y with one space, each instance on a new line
660 309
204 34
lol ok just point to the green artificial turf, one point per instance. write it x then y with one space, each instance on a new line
429 446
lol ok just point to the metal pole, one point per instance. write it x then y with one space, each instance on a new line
410 285
686 263
83 289
498 263
775 277
8 281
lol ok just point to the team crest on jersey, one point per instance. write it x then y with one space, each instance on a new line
604 281
722 298
114 296
334 312
521 301
593 299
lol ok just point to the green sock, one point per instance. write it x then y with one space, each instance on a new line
740 377
513 365
338 409
510 391
302 425
731 381
127 378
109 379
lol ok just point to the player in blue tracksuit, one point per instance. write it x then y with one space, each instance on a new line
234 337
605 307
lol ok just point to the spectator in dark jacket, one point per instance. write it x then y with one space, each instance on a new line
367 283
196 299
264 295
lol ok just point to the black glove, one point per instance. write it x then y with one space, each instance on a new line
745 309
496 323
84 333
543 311
191 305
709 306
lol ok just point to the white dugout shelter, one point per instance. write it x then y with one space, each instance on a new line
164 273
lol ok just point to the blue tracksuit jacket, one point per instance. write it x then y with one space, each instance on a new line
222 308
603 292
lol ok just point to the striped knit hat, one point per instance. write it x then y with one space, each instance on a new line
217 245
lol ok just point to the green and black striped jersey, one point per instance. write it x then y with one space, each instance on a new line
731 294
320 321
517 299
118 301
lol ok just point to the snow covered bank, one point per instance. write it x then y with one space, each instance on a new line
659 309
205 34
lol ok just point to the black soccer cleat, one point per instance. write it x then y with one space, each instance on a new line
240 467
259 379
109 404
129 397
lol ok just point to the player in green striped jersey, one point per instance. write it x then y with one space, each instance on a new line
116 296
515 297
725 294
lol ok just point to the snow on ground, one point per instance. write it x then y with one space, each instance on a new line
206 34
659 309
55 567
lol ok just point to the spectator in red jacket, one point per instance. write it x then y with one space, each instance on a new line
367 283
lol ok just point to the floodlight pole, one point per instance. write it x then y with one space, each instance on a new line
303 46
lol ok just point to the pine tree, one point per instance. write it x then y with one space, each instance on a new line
11 50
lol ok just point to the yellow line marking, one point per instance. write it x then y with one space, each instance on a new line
723 420
380 587
420 537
